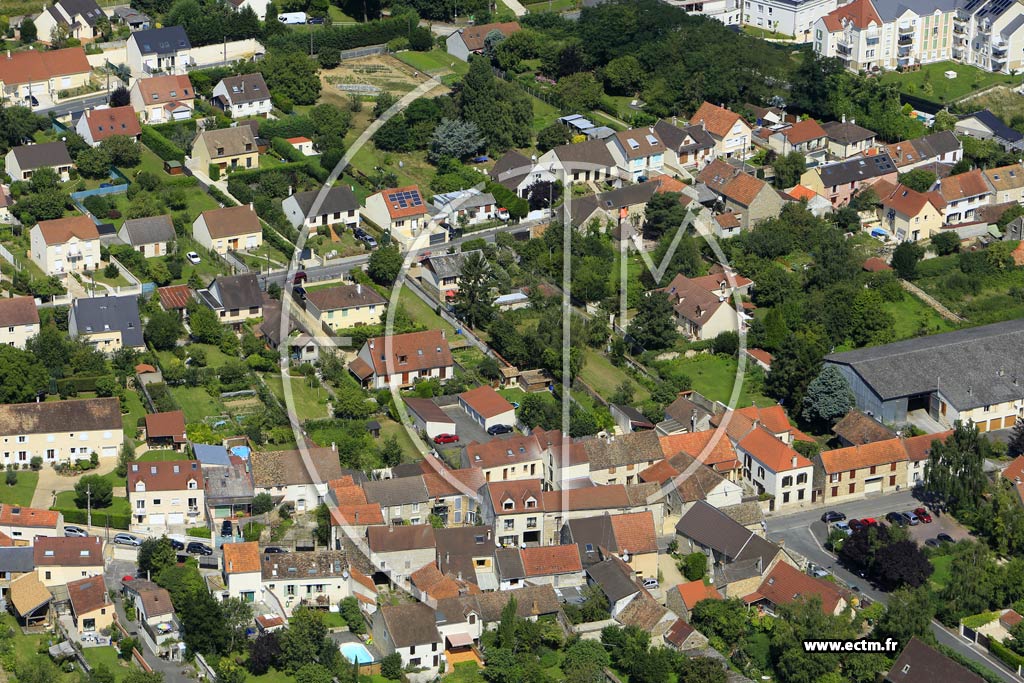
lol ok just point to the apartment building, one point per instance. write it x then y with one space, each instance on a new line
60 431
165 495
790 17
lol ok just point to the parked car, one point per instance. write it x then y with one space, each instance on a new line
176 544
193 258
945 538
273 550
446 438
494 430
911 518
832 516
75 531
856 525
316 20
32 100
869 521
369 241
197 548
923 515
300 277
933 543
226 529
844 527
503 213
127 539
897 518
651 583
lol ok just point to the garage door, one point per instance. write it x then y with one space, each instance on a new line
983 426
156 520
109 451
176 518
873 485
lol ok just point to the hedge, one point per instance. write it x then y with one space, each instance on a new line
221 197
199 532
289 127
1008 656
161 146
285 149
76 516
275 240
78 384
517 206
346 38
163 401
978 620
969 664
189 124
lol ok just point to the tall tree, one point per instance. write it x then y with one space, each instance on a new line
919 179
654 326
955 473
788 169
22 377
828 397
455 139
385 264
1015 446
155 554
796 364
908 614
905 259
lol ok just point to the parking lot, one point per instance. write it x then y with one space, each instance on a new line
940 524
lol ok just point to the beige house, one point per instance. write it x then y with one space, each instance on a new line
108 323
59 431
749 199
314 579
226 148
232 228
78 18
150 236
159 99
1007 182
515 510
621 459
25 525
346 306
405 215
242 570
234 298
19 320
854 472
631 537
402 359
165 495
91 607
701 314
61 560
846 139
22 162
65 245
730 132
907 214
42 74
518 457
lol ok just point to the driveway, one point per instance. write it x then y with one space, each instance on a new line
50 483
668 574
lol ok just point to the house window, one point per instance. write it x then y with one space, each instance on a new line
853 474
801 478
787 481
892 480
873 469
835 491
852 487
892 467
760 473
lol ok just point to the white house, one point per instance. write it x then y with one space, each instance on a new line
242 571
410 630
21 162
101 123
245 95
339 207
487 407
402 359
775 469
286 476
159 50
639 153
65 245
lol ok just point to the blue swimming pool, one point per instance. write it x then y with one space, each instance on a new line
241 451
356 652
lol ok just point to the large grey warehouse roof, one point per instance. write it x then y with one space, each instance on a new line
973 367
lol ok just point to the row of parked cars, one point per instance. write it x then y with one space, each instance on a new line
918 516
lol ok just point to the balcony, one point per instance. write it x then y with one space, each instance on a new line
960 28
906 28
905 41
192 512
999 47
843 50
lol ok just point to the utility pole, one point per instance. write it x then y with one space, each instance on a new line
88 502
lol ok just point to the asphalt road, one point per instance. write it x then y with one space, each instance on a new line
805 533
59 110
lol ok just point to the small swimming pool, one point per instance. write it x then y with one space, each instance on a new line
356 652
241 451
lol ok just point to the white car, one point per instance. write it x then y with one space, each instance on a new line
193 257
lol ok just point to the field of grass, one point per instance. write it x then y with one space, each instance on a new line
969 79
196 403
714 376
437 62
21 493
551 6
118 506
1004 102
604 378
108 657
414 170
422 313
214 356
913 315
161 456
136 410
310 402
942 564
390 428
544 114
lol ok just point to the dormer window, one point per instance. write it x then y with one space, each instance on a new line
191 484
507 505
402 360
531 503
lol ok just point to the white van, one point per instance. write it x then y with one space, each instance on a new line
292 18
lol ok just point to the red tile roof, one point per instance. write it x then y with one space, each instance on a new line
438 586
18 310
39 65
906 201
860 12
438 485
721 456
634 532
162 425
170 475
165 89
875 265
785 584
88 595
804 131
474 36
964 185
17 515
695 591
760 355
771 452
410 352
396 210
241 558
551 559
1015 470
68 552
802 192
358 514
60 230
105 123
174 297
486 401
717 120
499 452
868 455
918 447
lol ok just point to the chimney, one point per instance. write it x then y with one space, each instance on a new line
391 528
794 461
844 118
250 206
371 343
334 447
359 288
8 54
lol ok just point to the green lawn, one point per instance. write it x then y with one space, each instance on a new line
20 493
214 356
161 456
969 79
335 14
108 657
942 564
714 376
550 6
605 378
389 427
543 114
466 672
765 33
422 313
913 316
436 62
414 170
118 506
310 402
136 410
150 162
196 403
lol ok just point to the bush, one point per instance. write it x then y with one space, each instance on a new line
199 532
214 172
11 478
161 146
694 566
391 667
221 197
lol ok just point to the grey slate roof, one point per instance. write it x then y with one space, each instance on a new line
339 199
996 125
237 291
449 265
861 168
42 155
972 367
890 11
107 313
390 492
627 449
161 40
510 169
246 88
17 560
214 454
410 624
593 152
613 578
149 230
846 132
674 136
920 663
89 10
712 528
943 142
509 563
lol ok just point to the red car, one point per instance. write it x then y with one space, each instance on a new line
922 514
869 521
446 438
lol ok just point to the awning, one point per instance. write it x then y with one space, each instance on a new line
459 640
